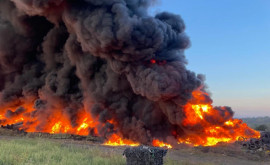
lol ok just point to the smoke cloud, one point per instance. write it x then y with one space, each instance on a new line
96 55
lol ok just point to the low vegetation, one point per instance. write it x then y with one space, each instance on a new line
41 151
256 122
262 127
33 151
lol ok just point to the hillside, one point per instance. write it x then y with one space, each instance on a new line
256 121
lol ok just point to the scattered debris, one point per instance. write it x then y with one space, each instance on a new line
14 130
15 126
261 144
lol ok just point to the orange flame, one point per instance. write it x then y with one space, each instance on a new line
116 140
224 131
158 143
197 113
56 122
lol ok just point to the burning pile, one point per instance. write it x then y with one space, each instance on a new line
105 68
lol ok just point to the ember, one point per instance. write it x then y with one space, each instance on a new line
153 61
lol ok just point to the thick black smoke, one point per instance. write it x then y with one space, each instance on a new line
96 54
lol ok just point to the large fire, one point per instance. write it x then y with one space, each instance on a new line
200 115
197 115
105 69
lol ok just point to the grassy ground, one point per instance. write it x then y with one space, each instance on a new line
17 148
28 151
44 151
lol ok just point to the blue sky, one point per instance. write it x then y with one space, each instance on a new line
231 46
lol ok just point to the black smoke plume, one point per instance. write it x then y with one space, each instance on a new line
97 55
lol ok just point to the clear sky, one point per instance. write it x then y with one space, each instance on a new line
231 46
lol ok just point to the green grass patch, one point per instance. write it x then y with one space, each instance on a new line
46 152
42 151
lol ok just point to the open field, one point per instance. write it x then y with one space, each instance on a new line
42 149
256 121
21 151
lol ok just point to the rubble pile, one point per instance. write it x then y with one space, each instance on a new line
263 143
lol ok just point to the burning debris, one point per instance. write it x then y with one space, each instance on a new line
263 143
105 68
15 126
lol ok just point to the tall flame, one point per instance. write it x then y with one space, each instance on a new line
56 123
200 115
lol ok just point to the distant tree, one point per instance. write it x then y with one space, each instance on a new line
261 127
